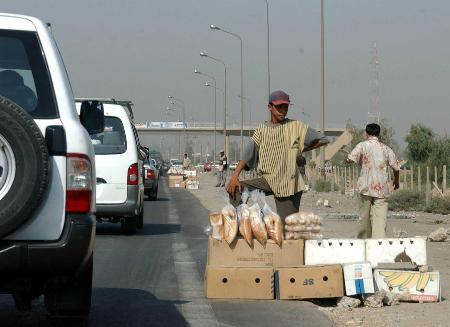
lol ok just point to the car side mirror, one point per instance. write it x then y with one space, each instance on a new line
92 116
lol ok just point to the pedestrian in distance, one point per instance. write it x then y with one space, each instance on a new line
187 163
222 172
375 158
273 151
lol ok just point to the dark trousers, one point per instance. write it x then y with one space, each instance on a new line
285 205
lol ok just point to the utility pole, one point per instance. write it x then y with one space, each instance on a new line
374 87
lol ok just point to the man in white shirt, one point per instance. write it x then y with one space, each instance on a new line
375 159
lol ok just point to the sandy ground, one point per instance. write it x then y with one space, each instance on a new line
404 314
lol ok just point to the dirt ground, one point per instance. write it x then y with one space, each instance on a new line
420 224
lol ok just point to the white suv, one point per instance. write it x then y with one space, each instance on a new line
47 190
119 161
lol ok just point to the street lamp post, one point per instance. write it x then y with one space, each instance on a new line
202 54
215 111
213 27
183 106
249 113
179 137
322 84
268 49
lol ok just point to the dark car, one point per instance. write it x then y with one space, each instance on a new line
151 179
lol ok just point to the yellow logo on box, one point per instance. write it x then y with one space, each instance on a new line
407 280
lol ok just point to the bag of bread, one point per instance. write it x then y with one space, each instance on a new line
230 223
216 221
274 225
245 225
257 223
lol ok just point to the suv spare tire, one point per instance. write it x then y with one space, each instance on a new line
24 166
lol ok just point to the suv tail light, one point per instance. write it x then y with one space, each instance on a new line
79 184
150 174
133 174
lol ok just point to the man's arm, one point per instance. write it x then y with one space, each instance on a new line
314 140
234 184
249 160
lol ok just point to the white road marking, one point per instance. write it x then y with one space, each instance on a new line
197 311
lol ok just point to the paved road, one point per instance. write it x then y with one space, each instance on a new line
155 278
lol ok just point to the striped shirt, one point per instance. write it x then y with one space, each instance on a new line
278 148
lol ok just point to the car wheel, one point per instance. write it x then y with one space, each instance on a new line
129 225
24 166
69 301
141 219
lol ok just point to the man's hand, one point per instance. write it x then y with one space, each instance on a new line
233 185
396 179
396 184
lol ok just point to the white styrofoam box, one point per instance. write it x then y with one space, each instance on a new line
334 251
385 250
190 173
412 285
358 278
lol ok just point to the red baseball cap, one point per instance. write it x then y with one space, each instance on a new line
279 97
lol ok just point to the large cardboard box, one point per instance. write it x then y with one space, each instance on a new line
413 286
240 254
386 250
358 278
309 282
176 181
239 283
334 251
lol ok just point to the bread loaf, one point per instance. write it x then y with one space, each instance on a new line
245 225
216 221
230 223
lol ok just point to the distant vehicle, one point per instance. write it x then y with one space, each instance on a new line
176 163
207 166
47 179
119 164
233 165
151 179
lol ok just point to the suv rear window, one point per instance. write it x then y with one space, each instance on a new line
24 77
112 140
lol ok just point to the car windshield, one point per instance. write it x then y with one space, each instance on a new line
24 77
177 163
112 140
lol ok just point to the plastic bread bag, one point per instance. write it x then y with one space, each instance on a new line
295 228
216 221
245 225
230 223
272 220
303 218
257 223
302 236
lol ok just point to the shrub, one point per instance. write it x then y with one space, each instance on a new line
406 200
439 205
324 186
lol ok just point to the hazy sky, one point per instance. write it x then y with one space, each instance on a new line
145 50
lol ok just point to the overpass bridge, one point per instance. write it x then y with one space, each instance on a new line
208 128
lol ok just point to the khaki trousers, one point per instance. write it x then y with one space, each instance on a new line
372 215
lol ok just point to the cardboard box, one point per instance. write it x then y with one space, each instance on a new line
240 254
413 286
239 283
192 183
358 278
386 250
309 282
334 251
176 181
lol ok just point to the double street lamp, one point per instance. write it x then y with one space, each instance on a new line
216 28
203 54
215 111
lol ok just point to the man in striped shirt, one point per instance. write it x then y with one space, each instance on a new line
273 151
